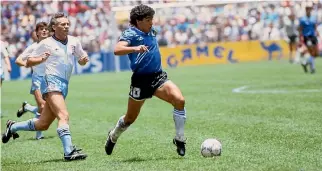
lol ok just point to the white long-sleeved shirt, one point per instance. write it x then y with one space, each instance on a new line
61 60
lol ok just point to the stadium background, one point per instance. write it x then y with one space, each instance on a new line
267 114
207 32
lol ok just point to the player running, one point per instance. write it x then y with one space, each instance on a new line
140 44
308 33
37 78
291 26
5 56
62 49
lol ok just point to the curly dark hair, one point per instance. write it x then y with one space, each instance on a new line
140 12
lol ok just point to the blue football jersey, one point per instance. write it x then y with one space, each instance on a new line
146 62
308 25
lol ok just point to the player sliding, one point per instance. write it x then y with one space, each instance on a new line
61 49
37 75
140 44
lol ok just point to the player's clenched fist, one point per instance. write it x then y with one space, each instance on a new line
83 60
140 49
45 56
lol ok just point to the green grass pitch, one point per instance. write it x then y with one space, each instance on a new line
271 125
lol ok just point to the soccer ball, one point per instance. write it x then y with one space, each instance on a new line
210 148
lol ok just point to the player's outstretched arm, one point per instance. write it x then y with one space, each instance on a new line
122 48
7 61
299 29
22 58
317 31
81 55
32 61
20 62
5 53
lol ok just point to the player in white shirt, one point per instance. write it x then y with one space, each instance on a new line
5 56
58 68
37 80
291 29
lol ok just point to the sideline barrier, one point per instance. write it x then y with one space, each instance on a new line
213 53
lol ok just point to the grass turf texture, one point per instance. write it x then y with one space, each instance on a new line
258 131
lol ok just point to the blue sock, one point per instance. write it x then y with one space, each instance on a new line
32 109
66 139
28 125
38 133
312 63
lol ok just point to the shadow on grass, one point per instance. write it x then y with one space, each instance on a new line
139 159
46 137
60 160
32 163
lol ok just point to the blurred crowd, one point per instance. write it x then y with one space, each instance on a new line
232 22
90 21
97 27
121 3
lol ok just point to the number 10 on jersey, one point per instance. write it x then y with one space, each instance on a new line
135 91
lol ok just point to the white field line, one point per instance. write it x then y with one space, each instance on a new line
243 89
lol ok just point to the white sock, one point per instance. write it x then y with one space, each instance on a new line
119 129
179 117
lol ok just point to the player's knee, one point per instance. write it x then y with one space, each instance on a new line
63 116
40 108
179 102
42 126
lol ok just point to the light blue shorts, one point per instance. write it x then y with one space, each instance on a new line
36 83
55 84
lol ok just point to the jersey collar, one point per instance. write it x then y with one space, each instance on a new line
62 42
151 33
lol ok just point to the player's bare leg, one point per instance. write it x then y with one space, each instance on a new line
313 50
40 103
33 109
170 93
292 47
56 102
34 124
45 120
133 110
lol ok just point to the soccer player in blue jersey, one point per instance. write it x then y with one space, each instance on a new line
308 33
140 44
59 52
